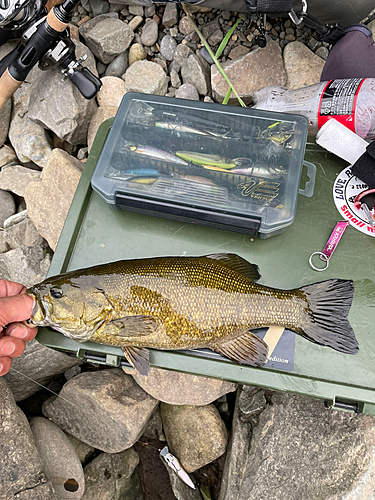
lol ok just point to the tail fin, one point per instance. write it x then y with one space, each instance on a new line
328 307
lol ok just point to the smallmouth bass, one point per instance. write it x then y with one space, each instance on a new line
188 303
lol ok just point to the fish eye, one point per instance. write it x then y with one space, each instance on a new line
56 293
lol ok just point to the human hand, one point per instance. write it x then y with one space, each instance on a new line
15 306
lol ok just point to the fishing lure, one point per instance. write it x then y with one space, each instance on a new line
278 133
154 153
206 160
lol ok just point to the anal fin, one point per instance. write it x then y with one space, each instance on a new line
139 358
248 349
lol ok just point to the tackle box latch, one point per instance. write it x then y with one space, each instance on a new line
345 405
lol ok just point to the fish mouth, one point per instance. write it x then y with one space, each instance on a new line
40 314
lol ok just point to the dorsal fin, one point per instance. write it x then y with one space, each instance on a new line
237 263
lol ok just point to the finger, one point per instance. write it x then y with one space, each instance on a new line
14 309
21 331
5 364
11 347
9 288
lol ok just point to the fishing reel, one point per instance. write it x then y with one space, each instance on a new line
46 41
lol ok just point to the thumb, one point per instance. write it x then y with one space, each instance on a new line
15 308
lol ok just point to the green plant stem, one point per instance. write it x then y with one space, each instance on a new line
213 56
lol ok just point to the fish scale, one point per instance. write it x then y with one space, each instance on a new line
187 303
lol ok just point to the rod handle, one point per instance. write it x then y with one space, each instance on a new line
8 86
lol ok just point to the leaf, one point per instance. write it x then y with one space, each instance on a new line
226 39
227 97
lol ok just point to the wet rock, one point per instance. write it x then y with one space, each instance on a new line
269 66
170 16
167 47
21 234
181 53
114 410
150 33
89 25
37 363
26 265
113 476
15 178
112 91
59 106
21 468
297 449
108 39
7 206
302 66
195 434
136 53
29 140
84 451
177 388
48 200
101 115
60 461
6 156
196 73
119 65
146 77
187 91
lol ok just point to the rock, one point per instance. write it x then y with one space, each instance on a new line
170 16
3 244
7 206
84 451
112 91
150 33
136 10
238 52
196 435
59 106
167 47
210 28
118 66
21 468
60 461
146 77
180 489
206 55
114 409
181 53
187 91
269 66
99 7
26 265
135 22
108 39
215 38
175 80
48 200
6 156
113 476
185 27
28 139
136 53
177 388
101 115
302 66
22 234
297 448
15 178
5 113
196 73
37 363
322 52
91 23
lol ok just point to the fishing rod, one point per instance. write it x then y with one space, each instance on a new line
47 42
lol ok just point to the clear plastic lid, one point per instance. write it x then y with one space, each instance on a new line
224 159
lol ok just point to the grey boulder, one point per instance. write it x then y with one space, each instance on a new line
108 39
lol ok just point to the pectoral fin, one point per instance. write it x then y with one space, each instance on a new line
248 349
134 326
139 358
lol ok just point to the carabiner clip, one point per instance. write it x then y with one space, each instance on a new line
293 15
